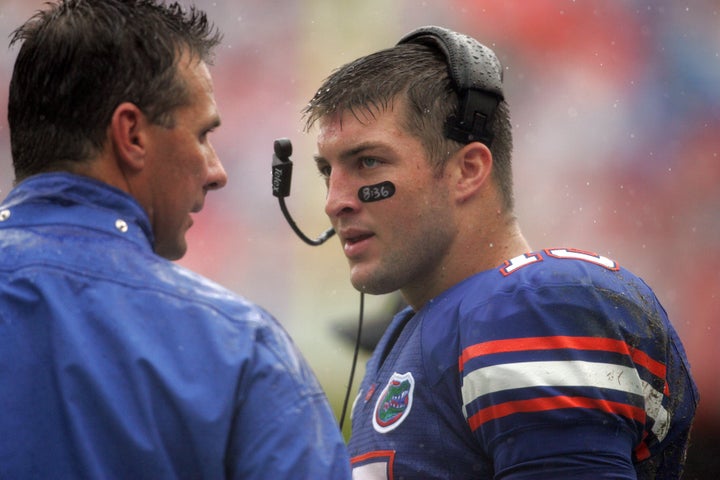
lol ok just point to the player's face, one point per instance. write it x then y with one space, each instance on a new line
183 164
399 242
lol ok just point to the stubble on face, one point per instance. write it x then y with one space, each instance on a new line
411 233
413 243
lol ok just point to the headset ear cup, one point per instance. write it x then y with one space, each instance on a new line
476 75
472 121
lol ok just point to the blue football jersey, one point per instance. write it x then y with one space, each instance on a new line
557 364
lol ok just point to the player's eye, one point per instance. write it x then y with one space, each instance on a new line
369 162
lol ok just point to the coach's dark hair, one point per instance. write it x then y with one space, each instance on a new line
418 74
80 59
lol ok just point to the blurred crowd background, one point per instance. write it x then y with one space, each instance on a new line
616 110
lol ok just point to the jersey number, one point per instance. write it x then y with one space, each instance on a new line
520 261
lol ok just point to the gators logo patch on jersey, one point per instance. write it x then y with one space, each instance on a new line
394 403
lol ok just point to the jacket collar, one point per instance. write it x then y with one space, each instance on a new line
77 200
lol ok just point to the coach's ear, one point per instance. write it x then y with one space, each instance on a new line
471 167
128 128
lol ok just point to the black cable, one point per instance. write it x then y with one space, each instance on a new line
354 361
319 241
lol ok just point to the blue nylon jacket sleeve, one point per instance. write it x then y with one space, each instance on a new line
264 444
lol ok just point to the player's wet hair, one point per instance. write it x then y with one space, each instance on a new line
417 75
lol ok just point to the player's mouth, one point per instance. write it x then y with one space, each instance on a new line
355 241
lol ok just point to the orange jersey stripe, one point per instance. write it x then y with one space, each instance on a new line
562 342
554 403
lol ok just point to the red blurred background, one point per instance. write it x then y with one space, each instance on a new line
616 109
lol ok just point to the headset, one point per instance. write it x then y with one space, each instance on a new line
477 77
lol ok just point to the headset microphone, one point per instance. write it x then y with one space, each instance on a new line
281 180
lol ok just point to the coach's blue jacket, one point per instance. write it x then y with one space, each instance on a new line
116 363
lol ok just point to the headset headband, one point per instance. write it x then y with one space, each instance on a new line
476 74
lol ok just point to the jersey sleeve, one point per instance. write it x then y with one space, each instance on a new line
568 377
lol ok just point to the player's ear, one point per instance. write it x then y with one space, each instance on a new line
128 128
472 165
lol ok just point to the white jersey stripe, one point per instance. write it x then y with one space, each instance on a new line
656 411
573 373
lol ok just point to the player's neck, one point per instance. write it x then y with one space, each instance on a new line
475 252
